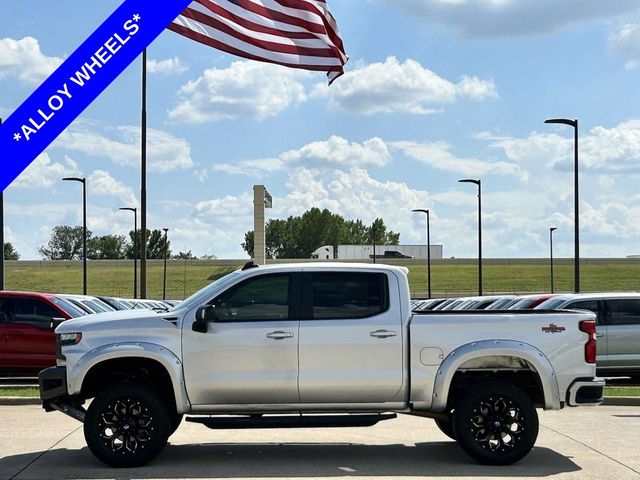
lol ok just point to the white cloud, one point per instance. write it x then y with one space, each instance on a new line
336 152
101 183
438 155
394 87
626 42
43 173
168 66
353 194
24 60
245 89
605 150
495 18
165 152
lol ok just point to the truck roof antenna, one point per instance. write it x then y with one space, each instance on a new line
249 265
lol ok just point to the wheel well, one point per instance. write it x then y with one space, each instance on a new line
527 380
128 370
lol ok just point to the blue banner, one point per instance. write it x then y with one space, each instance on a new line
79 81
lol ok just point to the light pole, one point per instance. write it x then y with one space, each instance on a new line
428 251
551 230
479 184
164 272
83 181
135 249
373 240
1 236
576 199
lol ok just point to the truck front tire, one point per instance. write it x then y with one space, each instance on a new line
495 423
127 425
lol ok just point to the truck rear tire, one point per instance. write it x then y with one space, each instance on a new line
127 425
495 423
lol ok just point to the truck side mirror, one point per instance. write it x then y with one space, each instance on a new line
55 322
204 315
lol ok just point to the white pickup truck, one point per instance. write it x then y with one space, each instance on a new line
318 345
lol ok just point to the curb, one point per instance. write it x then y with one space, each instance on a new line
622 401
20 401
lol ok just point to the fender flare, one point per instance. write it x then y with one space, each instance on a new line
172 364
541 364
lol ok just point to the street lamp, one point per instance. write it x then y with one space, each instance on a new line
428 251
135 250
576 197
479 184
551 230
373 240
83 181
164 272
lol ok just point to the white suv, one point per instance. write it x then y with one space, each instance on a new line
618 324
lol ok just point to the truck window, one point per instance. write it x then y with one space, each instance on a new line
343 295
623 312
260 298
591 305
34 312
6 310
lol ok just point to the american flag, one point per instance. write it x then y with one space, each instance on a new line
294 33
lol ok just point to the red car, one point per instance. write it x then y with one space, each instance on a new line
27 321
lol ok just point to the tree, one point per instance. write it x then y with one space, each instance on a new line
185 256
107 247
155 244
297 237
65 243
10 253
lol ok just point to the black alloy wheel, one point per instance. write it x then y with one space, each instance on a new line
496 423
127 425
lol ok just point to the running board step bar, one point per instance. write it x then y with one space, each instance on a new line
292 421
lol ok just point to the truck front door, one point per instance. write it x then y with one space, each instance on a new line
249 354
351 338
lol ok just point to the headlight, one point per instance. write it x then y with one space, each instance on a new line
70 338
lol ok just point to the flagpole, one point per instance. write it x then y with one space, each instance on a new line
2 236
143 183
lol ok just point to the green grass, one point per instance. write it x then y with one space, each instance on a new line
622 391
449 277
19 392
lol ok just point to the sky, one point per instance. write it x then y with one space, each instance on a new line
434 91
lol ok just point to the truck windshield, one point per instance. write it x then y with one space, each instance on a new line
207 292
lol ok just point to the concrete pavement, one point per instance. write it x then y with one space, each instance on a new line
583 443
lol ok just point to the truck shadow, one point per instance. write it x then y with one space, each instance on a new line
279 460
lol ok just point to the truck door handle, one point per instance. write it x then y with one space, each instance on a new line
279 335
383 333
598 335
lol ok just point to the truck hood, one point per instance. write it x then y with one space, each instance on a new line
99 321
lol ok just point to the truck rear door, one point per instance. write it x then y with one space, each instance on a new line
623 333
351 338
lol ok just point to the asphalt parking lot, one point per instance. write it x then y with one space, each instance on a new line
585 443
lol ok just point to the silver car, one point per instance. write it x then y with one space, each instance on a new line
618 323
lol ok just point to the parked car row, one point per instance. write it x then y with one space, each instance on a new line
617 321
27 321
495 302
